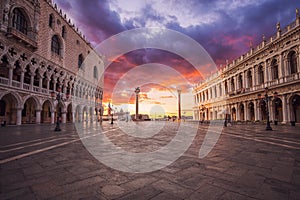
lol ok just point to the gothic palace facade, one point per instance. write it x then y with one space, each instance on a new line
239 90
43 53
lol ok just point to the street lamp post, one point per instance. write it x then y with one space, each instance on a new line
267 98
110 112
59 98
203 113
268 127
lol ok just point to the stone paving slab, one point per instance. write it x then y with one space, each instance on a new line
246 163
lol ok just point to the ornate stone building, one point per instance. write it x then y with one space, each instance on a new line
239 90
42 52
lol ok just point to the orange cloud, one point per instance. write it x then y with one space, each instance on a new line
167 97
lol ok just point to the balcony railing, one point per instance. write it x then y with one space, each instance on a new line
16 84
17 34
3 81
36 89
44 90
26 86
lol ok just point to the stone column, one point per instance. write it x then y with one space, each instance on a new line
244 79
40 83
246 112
280 68
38 116
80 116
19 116
31 81
179 104
254 77
10 74
271 110
289 112
256 115
92 116
284 110
52 116
22 78
266 74
73 117
64 117
238 116
54 84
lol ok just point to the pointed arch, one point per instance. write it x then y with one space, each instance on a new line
36 100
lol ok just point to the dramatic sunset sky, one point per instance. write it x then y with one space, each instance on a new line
224 28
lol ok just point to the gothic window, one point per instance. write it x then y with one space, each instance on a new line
274 68
17 72
36 80
51 84
63 32
261 74
249 76
19 21
55 45
51 20
80 61
27 76
45 81
95 72
293 62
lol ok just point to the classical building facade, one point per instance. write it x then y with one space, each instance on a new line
238 91
42 52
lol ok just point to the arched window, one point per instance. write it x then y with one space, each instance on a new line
293 62
240 81
51 20
55 45
80 61
95 72
274 68
226 87
249 76
232 84
19 21
260 75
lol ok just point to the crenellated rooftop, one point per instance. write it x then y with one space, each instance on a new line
67 20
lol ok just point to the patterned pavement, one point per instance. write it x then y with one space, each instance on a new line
247 162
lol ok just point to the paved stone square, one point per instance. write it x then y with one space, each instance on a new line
246 163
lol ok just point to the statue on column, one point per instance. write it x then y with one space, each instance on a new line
137 91
278 27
